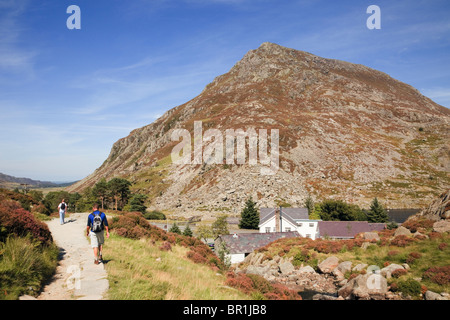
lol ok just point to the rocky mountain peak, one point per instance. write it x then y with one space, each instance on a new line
346 131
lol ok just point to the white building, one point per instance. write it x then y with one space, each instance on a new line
288 219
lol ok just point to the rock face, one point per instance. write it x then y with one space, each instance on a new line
351 133
439 209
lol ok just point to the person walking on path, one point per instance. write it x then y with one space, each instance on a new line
96 224
62 207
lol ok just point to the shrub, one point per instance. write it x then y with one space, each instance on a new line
154 215
439 275
399 272
402 241
414 224
165 246
256 285
410 287
20 222
413 256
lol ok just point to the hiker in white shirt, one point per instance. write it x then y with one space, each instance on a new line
62 211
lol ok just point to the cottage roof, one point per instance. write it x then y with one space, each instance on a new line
346 229
248 242
290 214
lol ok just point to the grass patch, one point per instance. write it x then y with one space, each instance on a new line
139 270
25 264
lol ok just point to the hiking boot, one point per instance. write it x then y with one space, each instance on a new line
95 261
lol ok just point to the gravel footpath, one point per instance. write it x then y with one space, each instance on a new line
76 277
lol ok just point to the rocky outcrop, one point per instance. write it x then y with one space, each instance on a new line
283 271
439 209
329 279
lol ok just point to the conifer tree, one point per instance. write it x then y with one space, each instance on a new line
175 229
187 231
249 216
377 213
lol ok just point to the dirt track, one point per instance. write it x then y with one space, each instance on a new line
77 277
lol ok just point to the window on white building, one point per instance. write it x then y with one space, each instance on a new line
267 229
311 224
308 235
287 229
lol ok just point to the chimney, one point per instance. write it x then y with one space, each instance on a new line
277 220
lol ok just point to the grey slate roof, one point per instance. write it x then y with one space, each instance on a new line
248 242
346 229
290 214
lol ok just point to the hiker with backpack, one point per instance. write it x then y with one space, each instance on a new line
62 207
96 224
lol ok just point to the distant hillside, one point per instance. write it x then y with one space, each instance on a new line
11 182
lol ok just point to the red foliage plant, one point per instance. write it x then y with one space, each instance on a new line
20 222
418 223
439 275
251 283
399 272
402 241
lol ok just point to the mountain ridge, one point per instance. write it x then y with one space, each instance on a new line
345 131
7 180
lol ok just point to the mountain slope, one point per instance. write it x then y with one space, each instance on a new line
7 181
345 131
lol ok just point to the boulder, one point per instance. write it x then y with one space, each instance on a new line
345 266
306 269
286 268
441 226
402 231
360 267
371 236
387 271
341 269
365 287
328 264
430 295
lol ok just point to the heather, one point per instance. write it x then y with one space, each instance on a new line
28 256
158 248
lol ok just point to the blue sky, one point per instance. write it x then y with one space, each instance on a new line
67 95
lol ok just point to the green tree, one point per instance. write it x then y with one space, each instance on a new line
100 190
204 232
249 216
220 226
377 213
84 204
309 203
187 231
154 215
137 203
120 191
175 228
338 210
